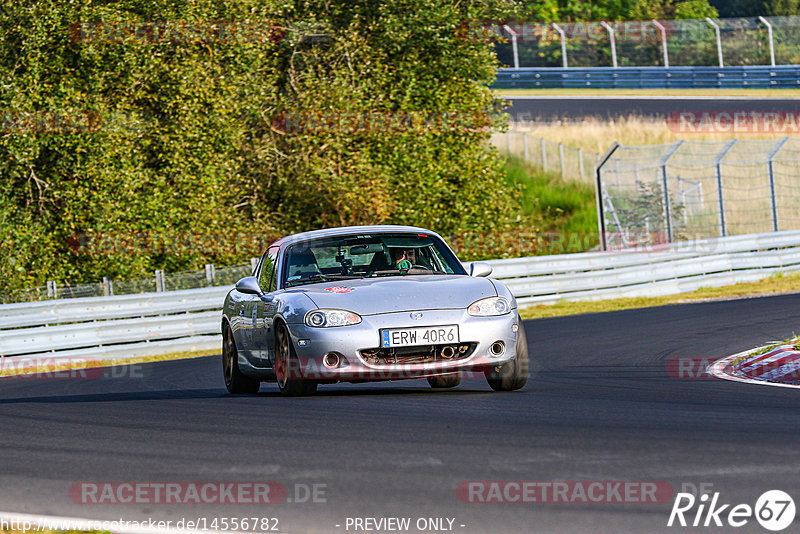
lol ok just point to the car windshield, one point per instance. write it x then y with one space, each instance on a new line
367 256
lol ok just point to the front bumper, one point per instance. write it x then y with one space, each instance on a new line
312 344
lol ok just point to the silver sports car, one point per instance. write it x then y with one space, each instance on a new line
369 303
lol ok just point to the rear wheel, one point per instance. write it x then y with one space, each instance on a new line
444 381
235 380
287 367
514 374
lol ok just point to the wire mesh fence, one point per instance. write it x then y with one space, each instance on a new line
570 162
160 281
688 43
659 194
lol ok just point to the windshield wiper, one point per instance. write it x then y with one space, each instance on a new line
323 277
395 272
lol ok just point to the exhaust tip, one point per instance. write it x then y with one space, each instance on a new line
497 348
331 360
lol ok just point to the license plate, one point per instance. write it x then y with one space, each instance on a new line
421 335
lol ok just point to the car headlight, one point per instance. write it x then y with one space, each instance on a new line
489 307
325 318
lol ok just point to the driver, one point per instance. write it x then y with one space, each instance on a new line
403 258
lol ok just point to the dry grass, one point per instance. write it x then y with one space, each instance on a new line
777 284
597 135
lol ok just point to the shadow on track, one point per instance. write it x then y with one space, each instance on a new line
184 394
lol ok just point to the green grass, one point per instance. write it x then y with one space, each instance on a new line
559 206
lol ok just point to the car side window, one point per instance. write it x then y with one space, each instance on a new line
268 279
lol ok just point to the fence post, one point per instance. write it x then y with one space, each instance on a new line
210 273
663 42
561 155
613 41
665 184
508 142
719 40
544 154
514 36
525 146
108 287
160 283
598 191
52 289
773 198
771 40
723 231
580 164
563 37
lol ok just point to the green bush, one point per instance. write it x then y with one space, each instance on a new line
181 159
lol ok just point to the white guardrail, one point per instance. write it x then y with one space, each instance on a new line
188 320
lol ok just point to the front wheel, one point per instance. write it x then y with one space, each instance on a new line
235 380
514 374
287 367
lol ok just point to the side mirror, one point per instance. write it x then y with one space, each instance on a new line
249 285
480 268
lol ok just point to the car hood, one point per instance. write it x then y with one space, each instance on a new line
395 294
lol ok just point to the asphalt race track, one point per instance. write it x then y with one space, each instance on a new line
572 107
600 407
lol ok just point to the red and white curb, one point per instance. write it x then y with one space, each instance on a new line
780 366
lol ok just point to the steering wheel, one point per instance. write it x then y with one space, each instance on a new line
415 266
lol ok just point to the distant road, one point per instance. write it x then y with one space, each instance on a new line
554 107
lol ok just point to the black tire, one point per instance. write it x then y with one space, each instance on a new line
444 381
287 367
235 381
514 374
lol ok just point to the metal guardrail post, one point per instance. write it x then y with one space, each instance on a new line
771 40
564 62
665 184
514 51
211 274
723 230
598 191
663 42
561 156
771 171
719 40
613 41
52 289
160 282
108 287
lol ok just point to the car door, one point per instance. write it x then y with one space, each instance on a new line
243 321
265 308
